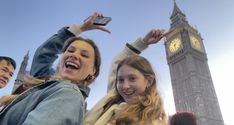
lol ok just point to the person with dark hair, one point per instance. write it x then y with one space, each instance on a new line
183 118
132 97
58 98
7 68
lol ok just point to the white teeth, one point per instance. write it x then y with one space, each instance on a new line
72 64
129 93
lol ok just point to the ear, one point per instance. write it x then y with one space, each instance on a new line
94 71
150 81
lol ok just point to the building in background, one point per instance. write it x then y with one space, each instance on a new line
191 80
17 88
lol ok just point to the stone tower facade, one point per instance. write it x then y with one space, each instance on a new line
191 80
21 73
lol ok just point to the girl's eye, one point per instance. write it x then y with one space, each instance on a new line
132 79
120 80
84 54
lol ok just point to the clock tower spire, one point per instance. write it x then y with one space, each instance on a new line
21 74
191 80
177 17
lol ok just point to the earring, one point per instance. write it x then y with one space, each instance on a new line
147 86
90 77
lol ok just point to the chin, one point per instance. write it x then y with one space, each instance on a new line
66 77
127 100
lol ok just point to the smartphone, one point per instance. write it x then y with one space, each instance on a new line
101 21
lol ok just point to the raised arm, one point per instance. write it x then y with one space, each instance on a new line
134 48
47 53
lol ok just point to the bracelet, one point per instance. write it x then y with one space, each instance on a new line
132 48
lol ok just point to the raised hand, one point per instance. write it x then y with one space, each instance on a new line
154 36
88 24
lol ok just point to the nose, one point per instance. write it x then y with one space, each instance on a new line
74 57
126 85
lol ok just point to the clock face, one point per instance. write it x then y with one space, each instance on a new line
174 45
195 42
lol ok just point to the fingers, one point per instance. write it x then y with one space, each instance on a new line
94 16
157 33
103 29
88 23
167 33
153 36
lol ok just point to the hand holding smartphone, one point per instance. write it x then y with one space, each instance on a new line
100 20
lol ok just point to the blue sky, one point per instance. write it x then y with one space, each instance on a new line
25 24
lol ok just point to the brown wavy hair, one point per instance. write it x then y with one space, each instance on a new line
30 81
145 108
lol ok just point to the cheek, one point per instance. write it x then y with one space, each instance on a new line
65 54
87 66
118 87
89 63
140 88
59 67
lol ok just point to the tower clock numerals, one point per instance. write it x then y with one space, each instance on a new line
174 45
195 42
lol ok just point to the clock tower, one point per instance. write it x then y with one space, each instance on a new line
191 80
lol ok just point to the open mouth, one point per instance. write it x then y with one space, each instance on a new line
130 93
72 65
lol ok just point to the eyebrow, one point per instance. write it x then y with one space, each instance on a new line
81 49
71 47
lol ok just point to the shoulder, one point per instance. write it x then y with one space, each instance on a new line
67 86
62 88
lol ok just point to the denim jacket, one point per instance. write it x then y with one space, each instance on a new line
53 102
47 53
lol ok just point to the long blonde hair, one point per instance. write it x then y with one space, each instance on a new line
145 108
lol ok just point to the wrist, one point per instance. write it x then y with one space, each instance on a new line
76 29
139 44
146 41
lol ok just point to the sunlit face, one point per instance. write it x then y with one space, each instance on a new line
130 82
6 72
77 61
